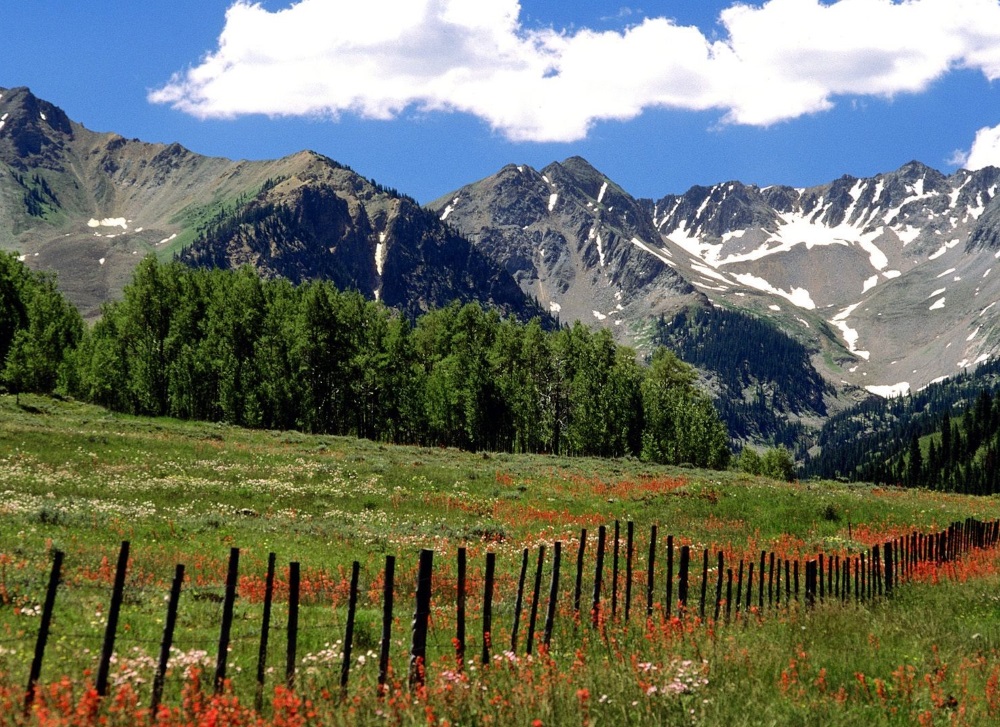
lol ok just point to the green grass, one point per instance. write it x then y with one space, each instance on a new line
78 478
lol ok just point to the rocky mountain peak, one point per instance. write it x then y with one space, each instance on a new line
32 131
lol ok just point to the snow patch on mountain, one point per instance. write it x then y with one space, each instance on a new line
890 391
850 334
109 222
798 296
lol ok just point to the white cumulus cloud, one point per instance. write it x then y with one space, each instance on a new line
985 150
773 62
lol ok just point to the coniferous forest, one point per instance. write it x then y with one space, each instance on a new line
762 374
946 436
232 347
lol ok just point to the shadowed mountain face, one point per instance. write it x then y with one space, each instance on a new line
89 206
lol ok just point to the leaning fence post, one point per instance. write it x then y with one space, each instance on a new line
386 643
43 629
614 573
265 631
629 549
293 624
890 577
650 573
739 589
579 573
491 564
535 594
227 619
598 576
460 611
421 618
111 629
770 580
352 604
168 639
729 593
519 602
682 579
550 614
704 585
718 589
669 601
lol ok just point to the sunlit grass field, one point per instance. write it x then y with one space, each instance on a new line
81 480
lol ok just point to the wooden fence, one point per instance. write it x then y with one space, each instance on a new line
754 587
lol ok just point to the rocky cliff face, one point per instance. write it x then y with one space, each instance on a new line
574 240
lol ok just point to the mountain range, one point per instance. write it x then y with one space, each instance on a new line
872 286
89 206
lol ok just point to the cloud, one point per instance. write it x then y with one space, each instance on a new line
985 150
775 62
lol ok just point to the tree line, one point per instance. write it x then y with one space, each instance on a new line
230 346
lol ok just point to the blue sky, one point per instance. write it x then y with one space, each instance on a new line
427 95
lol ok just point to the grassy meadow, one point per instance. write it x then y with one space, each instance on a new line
79 479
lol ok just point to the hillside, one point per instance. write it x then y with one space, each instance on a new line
335 511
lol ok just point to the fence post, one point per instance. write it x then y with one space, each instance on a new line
491 564
718 589
748 603
739 589
777 584
845 592
704 585
811 583
386 643
760 578
788 585
602 534
890 577
669 603
421 618
265 631
111 629
536 592
168 639
770 580
614 574
682 579
729 593
352 605
877 566
650 572
460 610
819 577
629 550
227 619
43 629
579 573
519 601
293 624
550 615
795 575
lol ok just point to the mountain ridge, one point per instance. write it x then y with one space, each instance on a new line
90 205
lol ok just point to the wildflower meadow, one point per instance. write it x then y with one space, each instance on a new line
612 640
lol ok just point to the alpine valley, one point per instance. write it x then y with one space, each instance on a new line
792 303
